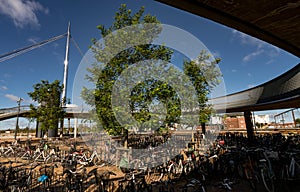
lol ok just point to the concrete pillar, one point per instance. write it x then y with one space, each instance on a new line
75 127
249 126
37 129
69 125
203 128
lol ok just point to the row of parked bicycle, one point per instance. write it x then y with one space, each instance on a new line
268 163
269 160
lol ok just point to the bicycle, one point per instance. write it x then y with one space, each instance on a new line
226 185
257 167
167 186
193 185
93 159
103 180
175 167
135 182
188 166
289 172
291 168
74 179
26 178
46 176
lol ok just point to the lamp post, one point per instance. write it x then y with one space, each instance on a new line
17 123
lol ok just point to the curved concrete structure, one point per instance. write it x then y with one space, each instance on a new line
9 113
274 21
279 93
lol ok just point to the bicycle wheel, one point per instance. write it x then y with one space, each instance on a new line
136 164
202 189
251 178
188 168
171 187
96 161
267 179
240 171
172 172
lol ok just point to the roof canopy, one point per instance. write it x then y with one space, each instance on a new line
274 21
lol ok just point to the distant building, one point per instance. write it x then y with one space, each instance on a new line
216 120
264 119
235 122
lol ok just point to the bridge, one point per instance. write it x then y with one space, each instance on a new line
282 92
8 113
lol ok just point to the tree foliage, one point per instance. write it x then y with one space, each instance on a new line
205 75
49 110
149 93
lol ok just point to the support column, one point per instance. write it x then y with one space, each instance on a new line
62 126
69 125
75 127
294 119
37 129
203 128
249 126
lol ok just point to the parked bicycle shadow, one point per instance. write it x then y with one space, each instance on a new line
287 186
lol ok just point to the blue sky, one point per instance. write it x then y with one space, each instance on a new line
245 61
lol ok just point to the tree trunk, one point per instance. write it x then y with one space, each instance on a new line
53 132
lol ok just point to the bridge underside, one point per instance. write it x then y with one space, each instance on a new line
25 114
279 93
276 22
282 104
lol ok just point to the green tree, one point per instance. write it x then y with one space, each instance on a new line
297 121
104 79
205 75
150 93
49 109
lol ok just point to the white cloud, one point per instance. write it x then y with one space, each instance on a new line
22 12
6 75
12 97
246 39
30 101
270 61
233 70
55 45
253 55
33 40
3 88
260 46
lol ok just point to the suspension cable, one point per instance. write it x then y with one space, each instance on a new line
76 45
17 52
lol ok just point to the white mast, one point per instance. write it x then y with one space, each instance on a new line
66 62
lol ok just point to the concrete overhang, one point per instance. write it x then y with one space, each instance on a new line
274 21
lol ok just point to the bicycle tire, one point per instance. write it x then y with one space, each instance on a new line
251 178
96 161
188 168
267 179
202 189
172 172
252 183
240 171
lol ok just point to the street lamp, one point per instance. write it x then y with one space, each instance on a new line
17 123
